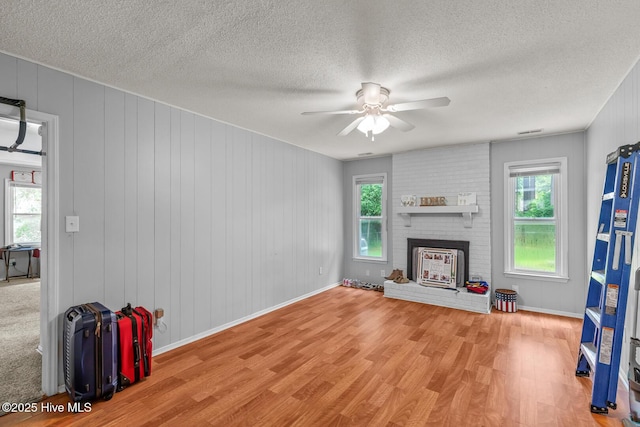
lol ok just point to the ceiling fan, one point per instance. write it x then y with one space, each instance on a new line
374 115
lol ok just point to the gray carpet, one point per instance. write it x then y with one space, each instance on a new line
20 362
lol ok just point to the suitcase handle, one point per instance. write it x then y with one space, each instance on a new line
136 348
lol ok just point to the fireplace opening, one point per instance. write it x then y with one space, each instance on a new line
414 244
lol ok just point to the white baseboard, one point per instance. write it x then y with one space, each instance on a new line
221 328
556 312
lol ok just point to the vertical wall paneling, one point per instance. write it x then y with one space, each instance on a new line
279 291
55 96
219 284
162 215
229 210
240 247
89 190
173 315
130 197
8 76
114 204
269 232
202 222
258 195
146 205
27 90
187 227
299 222
618 123
145 183
288 231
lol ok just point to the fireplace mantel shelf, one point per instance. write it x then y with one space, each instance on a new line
465 210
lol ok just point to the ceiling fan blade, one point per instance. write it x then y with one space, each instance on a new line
371 93
417 105
354 124
398 123
308 113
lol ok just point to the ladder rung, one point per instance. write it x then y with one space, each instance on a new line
603 237
599 276
594 314
589 352
608 196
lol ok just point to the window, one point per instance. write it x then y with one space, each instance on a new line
535 218
370 226
23 210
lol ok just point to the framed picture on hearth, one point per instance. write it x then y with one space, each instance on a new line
437 267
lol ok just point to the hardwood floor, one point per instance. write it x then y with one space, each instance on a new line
352 357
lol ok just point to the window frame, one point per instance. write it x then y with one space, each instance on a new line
560 194
376 178
9 213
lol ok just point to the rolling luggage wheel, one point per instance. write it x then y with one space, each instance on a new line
108 396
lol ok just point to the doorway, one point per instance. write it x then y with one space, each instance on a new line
20 239
47 264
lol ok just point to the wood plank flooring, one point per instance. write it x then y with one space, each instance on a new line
352 357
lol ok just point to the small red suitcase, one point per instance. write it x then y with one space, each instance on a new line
135 331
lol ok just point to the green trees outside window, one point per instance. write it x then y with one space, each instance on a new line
26 214
371 220
370 217
534 223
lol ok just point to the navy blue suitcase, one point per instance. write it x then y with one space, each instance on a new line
90 352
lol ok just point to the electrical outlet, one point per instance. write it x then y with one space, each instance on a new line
367 272
12 261
320 271
383 273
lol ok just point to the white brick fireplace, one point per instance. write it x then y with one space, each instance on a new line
444 171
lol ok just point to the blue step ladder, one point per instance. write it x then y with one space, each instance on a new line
603 325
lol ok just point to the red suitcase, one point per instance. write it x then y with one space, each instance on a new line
135 331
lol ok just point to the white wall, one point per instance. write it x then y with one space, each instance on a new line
445 171
618 123
210 222
555 297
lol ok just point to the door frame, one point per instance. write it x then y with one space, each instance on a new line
49 257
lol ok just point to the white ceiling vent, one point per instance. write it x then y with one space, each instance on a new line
527 132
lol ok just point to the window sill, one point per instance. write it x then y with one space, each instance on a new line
373 260
533 276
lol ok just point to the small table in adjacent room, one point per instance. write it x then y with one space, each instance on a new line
6 255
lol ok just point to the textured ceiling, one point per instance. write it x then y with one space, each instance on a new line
507 66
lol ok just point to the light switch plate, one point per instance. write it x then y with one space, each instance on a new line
72 224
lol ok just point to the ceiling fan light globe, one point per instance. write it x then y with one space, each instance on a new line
380 125
374 123
366 125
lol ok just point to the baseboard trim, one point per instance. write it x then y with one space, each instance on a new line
252 316
555 312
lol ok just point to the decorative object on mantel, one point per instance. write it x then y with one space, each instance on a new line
433 201
465 199
408 200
